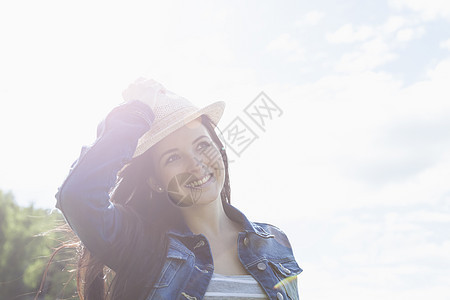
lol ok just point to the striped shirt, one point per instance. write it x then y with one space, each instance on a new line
236 287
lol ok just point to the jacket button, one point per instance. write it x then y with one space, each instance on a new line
285 269
280 296
261 266
199 244
246 241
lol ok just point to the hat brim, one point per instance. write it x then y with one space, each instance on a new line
164 128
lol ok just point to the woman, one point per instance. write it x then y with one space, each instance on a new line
150 200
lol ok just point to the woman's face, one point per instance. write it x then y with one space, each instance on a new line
189 166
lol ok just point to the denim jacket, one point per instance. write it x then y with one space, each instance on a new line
263 249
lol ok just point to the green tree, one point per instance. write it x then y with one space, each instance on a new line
28 238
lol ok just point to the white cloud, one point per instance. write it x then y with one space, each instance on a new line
393 23
349 34
407 34
313 17
410 141
381 253
370 55
445 44
437 76
428 9
287 45
371 46
354 140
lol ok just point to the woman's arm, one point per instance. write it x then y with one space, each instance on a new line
84 195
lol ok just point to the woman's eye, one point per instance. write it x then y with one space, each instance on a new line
203 145
171 158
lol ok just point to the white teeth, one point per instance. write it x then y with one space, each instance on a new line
199 182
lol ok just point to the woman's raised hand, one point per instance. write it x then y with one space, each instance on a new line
144 90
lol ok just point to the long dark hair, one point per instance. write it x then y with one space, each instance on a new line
141 256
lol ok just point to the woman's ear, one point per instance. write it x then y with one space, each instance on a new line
154 185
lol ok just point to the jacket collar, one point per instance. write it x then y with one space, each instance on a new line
236 215
180 229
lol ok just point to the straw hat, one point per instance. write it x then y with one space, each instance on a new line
171 113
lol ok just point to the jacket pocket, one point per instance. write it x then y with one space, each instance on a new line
286 272
171 267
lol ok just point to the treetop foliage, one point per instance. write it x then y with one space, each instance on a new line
28 238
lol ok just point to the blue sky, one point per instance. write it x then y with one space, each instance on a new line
355 170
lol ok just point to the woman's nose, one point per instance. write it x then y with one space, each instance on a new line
196 165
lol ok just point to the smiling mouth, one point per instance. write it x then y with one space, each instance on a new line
200 182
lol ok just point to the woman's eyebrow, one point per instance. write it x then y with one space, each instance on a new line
202 136
168 151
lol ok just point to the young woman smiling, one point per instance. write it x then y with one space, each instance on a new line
150 202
